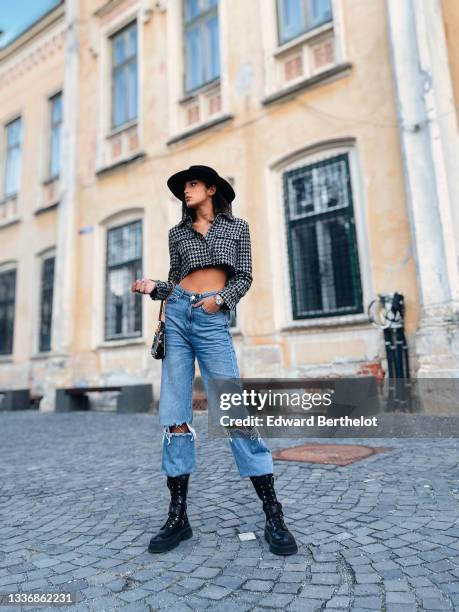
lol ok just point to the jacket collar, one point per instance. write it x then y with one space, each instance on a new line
187 220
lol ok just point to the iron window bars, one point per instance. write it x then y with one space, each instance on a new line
321 238
7 306
123 309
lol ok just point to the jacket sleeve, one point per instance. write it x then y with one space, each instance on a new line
163 288
238 285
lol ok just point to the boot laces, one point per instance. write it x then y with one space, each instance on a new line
172 520
177 512
277 521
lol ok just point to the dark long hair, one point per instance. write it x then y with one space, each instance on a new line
220 204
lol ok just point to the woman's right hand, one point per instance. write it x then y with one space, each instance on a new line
143 285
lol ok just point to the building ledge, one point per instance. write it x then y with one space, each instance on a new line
106 8
34 30
124 127
50 179
120 164
8 222
41 355
307 36
360 319
109 344
9 198
194 94
200 128
43 209
309 82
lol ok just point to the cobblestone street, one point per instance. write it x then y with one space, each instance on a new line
82 493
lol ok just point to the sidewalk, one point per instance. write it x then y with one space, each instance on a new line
82 493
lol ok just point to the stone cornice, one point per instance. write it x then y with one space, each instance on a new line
107 7
33 31
29 49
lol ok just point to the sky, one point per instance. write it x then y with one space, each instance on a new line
17 15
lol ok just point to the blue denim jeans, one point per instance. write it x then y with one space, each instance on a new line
191 333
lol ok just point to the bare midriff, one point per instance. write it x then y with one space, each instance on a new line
205 279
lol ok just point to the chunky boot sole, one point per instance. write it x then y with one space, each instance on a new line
172 542
276 549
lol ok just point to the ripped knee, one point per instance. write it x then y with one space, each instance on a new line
180 429
183 428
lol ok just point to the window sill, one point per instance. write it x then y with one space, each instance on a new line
50 179
43 355
6 358
8 198
7 222
108 344
305 37
43 209
120 163
202 127
122 128
191 95
309 82
342 321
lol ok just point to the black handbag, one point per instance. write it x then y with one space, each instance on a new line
158 347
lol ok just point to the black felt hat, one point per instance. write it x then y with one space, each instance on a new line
177 181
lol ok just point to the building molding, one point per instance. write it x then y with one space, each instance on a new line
279 265
200 128
99 250
120 164
44 253
326 76
311 149
102 31
35 31
25 57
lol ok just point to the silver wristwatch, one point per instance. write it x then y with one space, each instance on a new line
219 300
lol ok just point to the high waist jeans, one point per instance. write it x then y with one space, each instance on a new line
192 332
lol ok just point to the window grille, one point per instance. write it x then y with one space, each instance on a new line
7 305
123 311
46 303
322 247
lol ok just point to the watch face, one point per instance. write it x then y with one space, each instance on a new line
218 300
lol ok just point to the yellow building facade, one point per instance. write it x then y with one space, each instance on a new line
303 107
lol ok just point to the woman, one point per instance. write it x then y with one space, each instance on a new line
210 271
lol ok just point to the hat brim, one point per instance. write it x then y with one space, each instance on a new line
177 181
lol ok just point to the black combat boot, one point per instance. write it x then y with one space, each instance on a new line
279 538
176 528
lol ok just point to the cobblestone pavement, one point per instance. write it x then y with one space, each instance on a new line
82 493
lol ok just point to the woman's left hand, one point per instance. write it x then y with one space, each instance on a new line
208 304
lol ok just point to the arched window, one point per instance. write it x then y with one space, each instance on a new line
123 308
322 246
7 308
46 302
